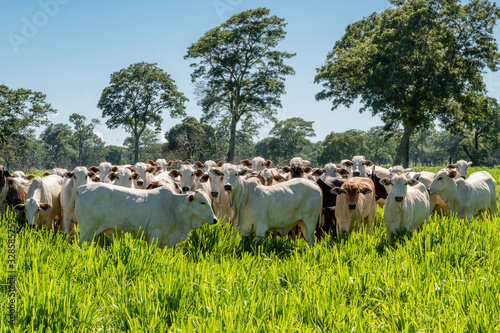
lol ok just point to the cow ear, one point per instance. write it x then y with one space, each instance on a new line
204 178
68 174
306 162
369 163
343 172
174 173
151 169
46 207
30 177
452 174
90 174
18 208
199 164
153 185
96 179
451 166
216 171
198 173
337 190
365 190
413 182
151 162
136 176
45 174
286 169
221 163
407 170
246 163
348 163
131 168
385 181
190 197
307 169
243 171
158 168
318 172
469 164
169 164
112 176
94 169
114 169
268 163
279 178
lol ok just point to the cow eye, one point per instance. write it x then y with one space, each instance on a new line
130 178
203 203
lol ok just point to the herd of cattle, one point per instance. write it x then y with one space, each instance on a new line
165 203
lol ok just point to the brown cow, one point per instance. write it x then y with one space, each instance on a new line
355 205
12 192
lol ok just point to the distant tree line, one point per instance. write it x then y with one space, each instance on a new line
418 65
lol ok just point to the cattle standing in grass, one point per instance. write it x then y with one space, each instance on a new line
12 192
79 176
42 202
257 164
466 197
220 198
407 207
437 204
190 178
279 207
328 223
461 167
163 217
355 205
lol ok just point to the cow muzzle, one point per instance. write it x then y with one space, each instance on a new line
356 173
463 177
214 220
214 194
185 189
352 206
398 199
140 182
228 187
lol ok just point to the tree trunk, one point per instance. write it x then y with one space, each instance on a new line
136 148
232 140
403 152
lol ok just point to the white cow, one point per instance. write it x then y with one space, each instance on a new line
359 164
164 217
190 178
220 198
398 168
104 169
437 203
123 177
79 176
347 165
335 170
461 166
407 206
257 164
42 202
145 174
466 197
279 207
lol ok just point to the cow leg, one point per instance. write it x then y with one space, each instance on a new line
260 235
309 232
390 237
86 235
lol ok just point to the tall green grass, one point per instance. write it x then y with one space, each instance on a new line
444 278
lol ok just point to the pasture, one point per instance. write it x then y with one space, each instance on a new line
444 278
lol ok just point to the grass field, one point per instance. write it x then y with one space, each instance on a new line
443 279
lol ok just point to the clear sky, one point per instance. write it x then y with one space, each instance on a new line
68 49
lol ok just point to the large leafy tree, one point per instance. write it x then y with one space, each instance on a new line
149 145
56 140
86 141
20 111
191 140
239 73
409 63
136 98
339 146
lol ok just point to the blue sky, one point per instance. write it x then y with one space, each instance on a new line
68 49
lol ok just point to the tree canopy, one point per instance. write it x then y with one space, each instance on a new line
239 73
413 63
136 98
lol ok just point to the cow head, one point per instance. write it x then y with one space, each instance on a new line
32 207
187 175
297 167
351 190
216 177
461 167
80 176
257 164
359 165
443 180
231 176
399 185
200 211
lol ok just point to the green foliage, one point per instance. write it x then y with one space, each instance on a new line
56 140
136 98
239 73
20 111
191 140
411 63
443 278
88 145
149 146
339 146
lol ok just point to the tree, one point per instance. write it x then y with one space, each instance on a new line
339 146
20 111
149 145
239 73
85 140
411 62
137 97
56 140
191 140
